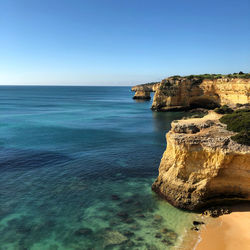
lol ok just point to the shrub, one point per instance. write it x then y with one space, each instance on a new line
239 75
176 77
242 138
190 77
239 121
218 76
223 110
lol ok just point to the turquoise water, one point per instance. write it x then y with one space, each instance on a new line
76 168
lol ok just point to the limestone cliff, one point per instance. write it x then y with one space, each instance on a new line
143 91
201 164
175 93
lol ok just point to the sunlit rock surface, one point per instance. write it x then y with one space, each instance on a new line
176 93
142 92
202 165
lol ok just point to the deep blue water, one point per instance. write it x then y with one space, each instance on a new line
64 152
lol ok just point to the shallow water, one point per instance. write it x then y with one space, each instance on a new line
76 168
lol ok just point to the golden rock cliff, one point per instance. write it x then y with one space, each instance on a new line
201 164
175 93
143 91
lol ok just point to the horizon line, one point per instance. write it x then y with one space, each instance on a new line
63 85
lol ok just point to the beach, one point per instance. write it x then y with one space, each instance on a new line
227 232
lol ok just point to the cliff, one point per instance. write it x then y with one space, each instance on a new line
143 91
176 93
202 165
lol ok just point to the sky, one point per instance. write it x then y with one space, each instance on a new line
120 42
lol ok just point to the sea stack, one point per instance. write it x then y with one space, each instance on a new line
142 92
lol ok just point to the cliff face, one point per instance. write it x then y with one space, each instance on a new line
181 93
142 95
202 165
143 91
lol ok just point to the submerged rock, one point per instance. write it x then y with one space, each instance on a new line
139 239
128 233
113 223
115 197
172 235
129 220
83 232
165 230
128 201
135 227
158 235
141 215
138 211
123 215
151 247
138 203
130 243
113 238
158 218
167 242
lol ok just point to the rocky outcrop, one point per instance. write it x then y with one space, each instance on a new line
142 92
176 93
202 165
142 95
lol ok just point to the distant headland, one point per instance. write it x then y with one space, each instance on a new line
205 91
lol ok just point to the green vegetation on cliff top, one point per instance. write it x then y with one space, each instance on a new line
215 76
239 121
148 84
199 78
223 110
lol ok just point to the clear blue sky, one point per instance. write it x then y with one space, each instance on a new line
120 42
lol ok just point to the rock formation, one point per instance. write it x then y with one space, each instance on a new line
175 93
202 165
142 92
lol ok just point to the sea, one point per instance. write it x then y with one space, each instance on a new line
76 169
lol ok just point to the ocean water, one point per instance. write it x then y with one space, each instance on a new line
76 168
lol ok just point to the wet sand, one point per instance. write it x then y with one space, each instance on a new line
228 232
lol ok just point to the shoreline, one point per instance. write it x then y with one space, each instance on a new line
227 232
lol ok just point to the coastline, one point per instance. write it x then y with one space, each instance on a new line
227 232
206 161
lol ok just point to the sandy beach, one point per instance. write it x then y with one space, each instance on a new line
228 232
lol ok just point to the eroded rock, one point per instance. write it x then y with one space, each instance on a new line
216 212
201 169
181 93
197 223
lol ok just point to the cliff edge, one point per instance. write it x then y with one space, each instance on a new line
176 93
202 165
